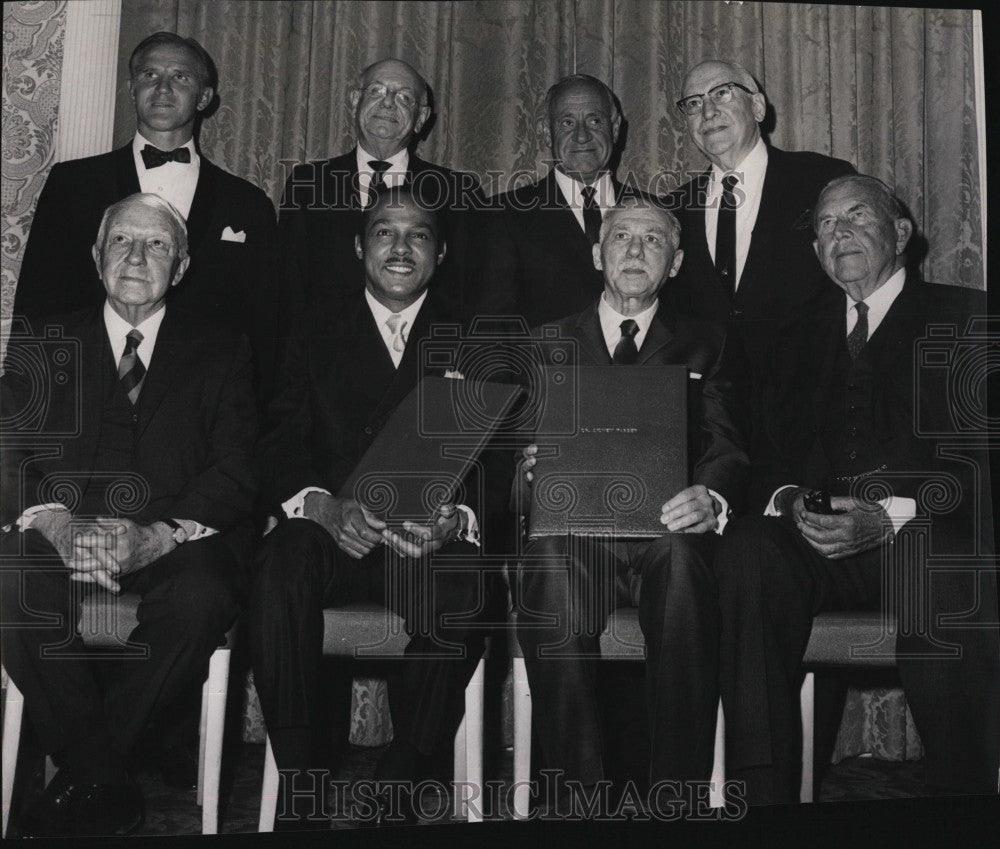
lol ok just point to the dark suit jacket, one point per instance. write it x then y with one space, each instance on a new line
320 214
339 388
536 260
232 283
195 427
916 406
717 457
781 275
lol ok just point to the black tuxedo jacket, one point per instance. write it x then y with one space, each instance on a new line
339 387
717 457
917 407
781 275
536 261
320 214
232 283
195 422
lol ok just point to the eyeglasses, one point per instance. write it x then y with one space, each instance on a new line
720 94
403 96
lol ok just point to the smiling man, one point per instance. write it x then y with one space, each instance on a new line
580 580
358 358
164 410
848 403
232 278
746 235
537 260
320 211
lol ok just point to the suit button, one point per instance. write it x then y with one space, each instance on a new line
854 431
852 408
853 455
135 418
369 431
735 313
851 387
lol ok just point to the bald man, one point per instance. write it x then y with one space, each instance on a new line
748 257
320 212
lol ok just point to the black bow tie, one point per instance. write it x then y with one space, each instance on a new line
153 157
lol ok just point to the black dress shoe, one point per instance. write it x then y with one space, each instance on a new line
67 808
393 807
179 767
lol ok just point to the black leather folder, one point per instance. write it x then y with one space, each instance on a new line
421 457
626 456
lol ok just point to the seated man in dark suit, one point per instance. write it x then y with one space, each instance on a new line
843 405
747 258
320 211
232 278
357 360
538 262
137 477
568 577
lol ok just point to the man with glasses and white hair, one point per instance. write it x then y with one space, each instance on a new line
748 259
320 212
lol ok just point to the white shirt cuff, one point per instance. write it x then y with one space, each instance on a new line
23 522
900 510
295 507
199 532
471 533
771 509
723 517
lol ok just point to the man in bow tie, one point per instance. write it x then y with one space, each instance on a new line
134 475
320 211
172 82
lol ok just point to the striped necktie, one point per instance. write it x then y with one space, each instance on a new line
131 371
858 337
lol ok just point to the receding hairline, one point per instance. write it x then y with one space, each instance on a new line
886 202
673 225
578 79
421 82
165 38
150 201
740 74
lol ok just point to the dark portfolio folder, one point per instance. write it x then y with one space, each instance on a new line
422 456
625 456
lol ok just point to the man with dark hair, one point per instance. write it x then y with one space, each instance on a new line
568 585
536 258
357 358
848 402
231 226
748 261
137 477
320 211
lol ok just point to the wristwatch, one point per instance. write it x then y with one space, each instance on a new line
178 532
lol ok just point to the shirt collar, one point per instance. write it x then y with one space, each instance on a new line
879 301
117 329
140 141
611 321
380 312
399 162
750 172
572 190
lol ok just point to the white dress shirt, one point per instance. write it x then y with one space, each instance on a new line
173 181
399 164
117 329
900 510
750 183
572 192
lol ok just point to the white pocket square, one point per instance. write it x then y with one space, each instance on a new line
229 236
694 375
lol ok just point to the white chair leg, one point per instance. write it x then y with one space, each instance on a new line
474 743
808 707
210 763
268 792
522 740
715 795
203 739
12 712
461 767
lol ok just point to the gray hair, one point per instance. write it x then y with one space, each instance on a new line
545 112
740 74
638 202
153 202
885 202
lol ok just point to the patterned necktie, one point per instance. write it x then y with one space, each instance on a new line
131 371
591 215
397 325
626 352
725 237
858 337
153 157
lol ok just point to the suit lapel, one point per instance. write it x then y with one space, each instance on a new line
657 337
200 216
161 369
566 229
95 350
591 337
126 178
769 213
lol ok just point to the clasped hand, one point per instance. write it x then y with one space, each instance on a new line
859 526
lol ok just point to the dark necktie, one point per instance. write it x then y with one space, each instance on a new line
858 337
591 215
153 157
626 352
725 237
131 371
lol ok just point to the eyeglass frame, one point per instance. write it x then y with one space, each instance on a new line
728 86
371 91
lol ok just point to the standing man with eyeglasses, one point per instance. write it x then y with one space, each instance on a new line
748 257
320 212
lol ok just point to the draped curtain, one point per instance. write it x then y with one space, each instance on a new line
889 89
